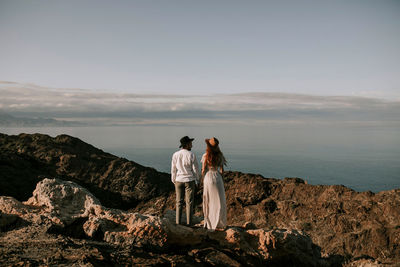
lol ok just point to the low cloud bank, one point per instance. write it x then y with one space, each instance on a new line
93 107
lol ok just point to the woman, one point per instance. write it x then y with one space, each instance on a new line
214 203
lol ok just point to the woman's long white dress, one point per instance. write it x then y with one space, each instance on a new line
214 203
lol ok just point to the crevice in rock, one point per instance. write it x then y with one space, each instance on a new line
74 229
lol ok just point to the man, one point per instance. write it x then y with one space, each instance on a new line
185 175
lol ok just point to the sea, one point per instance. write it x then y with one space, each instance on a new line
362 158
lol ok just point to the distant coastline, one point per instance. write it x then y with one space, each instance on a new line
7 120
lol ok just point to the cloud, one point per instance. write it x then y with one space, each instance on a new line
119 108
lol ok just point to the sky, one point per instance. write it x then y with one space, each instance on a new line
326 48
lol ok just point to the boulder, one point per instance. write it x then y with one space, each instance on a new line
64 201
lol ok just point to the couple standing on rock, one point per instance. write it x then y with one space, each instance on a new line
186 176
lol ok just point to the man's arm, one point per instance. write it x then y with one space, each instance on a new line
173 169
195 166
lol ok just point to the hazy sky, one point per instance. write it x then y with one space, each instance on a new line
202 47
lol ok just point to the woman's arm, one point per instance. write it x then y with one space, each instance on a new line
203 170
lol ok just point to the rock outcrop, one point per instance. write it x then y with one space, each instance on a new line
340 220
119 183
346 224
60 209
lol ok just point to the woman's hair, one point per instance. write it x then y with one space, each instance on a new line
214 157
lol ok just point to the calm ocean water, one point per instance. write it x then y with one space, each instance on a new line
361 158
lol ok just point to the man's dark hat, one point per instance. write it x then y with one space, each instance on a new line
185 140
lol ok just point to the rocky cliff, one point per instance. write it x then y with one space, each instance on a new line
342 221
119 183
347 225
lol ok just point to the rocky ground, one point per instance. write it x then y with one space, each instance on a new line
64 224
348 226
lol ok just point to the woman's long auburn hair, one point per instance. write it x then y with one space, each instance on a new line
214 157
